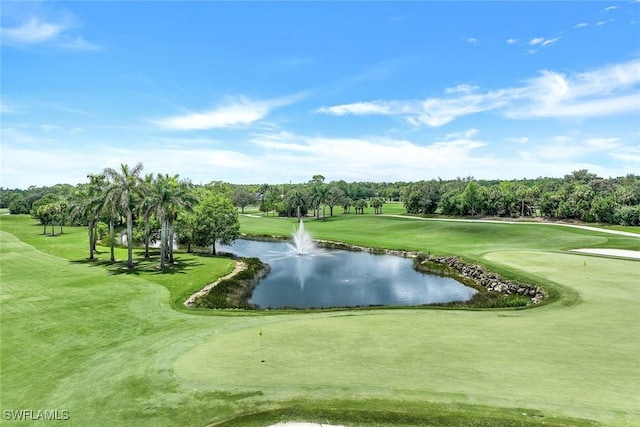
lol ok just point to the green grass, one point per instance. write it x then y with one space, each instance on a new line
105 344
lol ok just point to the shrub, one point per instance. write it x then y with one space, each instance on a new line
235 291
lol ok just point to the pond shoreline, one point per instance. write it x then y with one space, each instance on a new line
494 290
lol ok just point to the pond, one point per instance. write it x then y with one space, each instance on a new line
337 278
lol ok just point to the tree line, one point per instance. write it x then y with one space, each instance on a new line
160 208
166 209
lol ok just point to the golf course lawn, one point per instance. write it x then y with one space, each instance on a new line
114 347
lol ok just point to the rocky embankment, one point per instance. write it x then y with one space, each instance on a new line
477 276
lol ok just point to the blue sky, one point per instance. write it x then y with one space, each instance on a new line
280 91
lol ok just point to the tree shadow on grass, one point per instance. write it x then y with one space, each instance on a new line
142 266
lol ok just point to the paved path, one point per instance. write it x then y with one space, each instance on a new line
558 224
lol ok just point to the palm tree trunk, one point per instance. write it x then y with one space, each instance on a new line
146 237
163 242
171 230
90 239
129 239
112 239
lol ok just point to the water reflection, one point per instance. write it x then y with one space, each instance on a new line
334 278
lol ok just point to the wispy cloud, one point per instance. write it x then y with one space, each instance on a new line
36 31
601 23
610 8
581 25
78 43
541 41
512 41
239 111
605 91
359 108
472 40
31 32
365 157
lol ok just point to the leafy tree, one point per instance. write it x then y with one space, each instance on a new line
603 208
472 198
451 203
186 229
216 221
42 212
242 198
423 197
18 205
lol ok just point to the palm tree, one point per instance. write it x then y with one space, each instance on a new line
319 194
147 207
169 196
123 190
86 204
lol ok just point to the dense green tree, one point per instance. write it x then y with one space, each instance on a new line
241 197
216 221
43 210
18 205
472 197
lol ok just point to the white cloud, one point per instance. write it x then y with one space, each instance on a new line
365 158
465 134
461 88
581 25
472 40
605 91
358 108
31 32
78 44
562 149
38 31
610 8
549 42
628 154
543 42
512 41
237 112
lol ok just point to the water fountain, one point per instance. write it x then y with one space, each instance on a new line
302 242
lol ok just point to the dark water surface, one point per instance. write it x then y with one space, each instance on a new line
335 278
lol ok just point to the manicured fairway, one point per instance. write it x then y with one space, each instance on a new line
107 346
